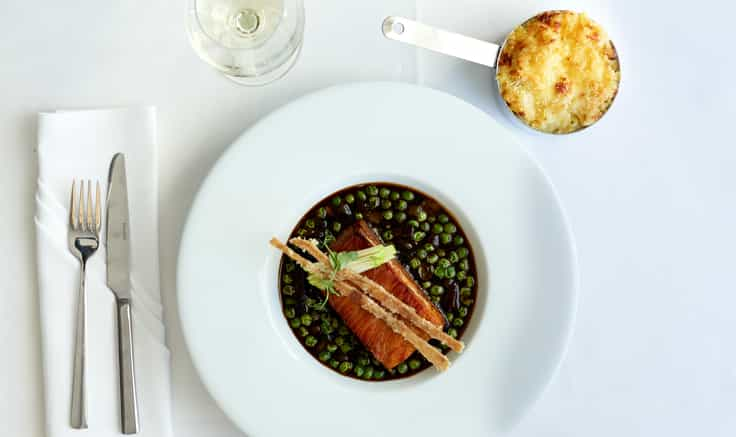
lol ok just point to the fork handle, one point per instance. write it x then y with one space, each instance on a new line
128 401
79 377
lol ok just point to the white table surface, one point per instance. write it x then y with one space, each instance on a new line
650 193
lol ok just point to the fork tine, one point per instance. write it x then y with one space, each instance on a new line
98 220
72 211
80 207
90 224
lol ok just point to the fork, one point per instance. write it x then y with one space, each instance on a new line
84 239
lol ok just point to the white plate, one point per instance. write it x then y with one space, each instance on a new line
239 340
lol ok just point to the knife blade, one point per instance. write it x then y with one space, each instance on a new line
118 230
118 280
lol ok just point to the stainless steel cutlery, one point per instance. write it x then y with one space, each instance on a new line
84 240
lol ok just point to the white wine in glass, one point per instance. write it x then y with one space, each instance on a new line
253 42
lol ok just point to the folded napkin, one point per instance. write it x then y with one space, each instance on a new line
80 144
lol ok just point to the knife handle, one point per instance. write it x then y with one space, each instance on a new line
128 401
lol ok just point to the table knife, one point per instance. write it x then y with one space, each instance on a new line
118 280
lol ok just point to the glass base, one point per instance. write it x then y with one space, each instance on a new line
266 78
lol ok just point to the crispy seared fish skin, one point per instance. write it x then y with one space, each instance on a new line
387 346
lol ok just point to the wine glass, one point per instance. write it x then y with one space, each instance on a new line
252 42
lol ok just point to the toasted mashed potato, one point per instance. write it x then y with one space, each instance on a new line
558 71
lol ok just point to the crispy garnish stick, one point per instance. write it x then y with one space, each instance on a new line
380 294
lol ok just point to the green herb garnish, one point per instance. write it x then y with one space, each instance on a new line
357 261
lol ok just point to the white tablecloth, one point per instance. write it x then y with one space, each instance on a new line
649 191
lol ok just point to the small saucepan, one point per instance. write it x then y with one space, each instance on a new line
557 71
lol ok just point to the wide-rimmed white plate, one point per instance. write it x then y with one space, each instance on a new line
227 274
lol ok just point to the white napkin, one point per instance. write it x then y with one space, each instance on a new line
80 144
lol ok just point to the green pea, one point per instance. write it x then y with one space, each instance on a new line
340 341
326 328
435 299
368 374
290 312
413 223
426 285
414 364
439 272
345 366
388 235
310 341
415 263
400 216
407 195
421 215
303 332
445 238
437 290
458 322
336 201
310 223
465 292
469 281
453 257
295 323
384 192
450 272
441 252
303 232
462 252
359 371
388 215
421 253
346 348
358 216
467 301
444 263
379 374
402 368
289 290
402 205
334 363
374 202
336 226
372 190
325 355
385 204
322 212
363 361
361 195
443 218
458 240
437 228
432 219
464 265
290 301
287 279
428 247
452 332
450 316
461 275
432 258
450 228
306 319
290 267
425 227
418 236
349 198
343 330
394 195
462 311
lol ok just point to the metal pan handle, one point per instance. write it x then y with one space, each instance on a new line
448 43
